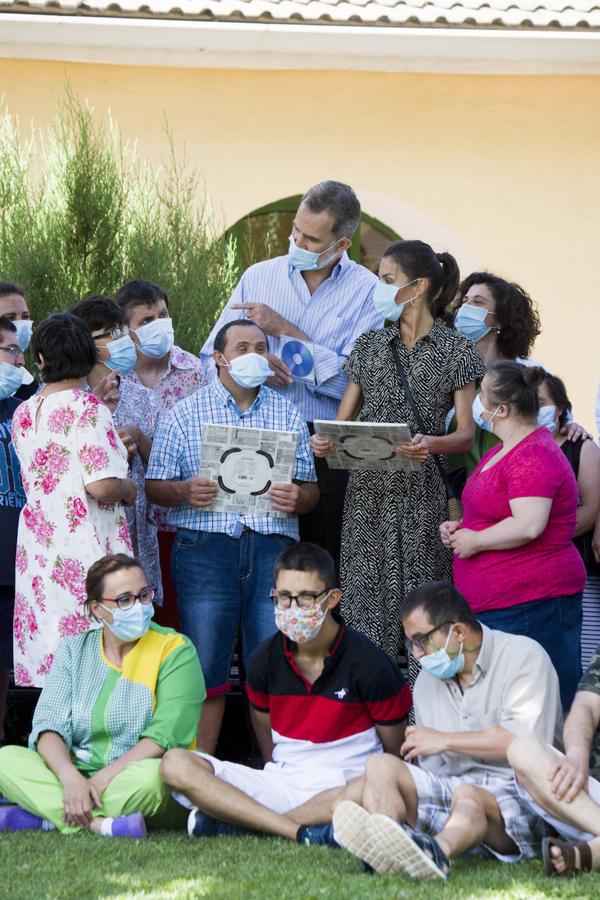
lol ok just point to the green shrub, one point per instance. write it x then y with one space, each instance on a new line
80 213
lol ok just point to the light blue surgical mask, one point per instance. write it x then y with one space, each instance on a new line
123 355
478 410
307 260
156 338
24 328
131 624
384 299
11 379
249 370
470 321
547 417
440 664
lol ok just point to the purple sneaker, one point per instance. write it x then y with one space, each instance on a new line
132 826
13 818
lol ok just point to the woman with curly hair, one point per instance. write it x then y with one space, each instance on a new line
503 322
499 316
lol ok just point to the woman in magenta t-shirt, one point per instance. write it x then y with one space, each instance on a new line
514 558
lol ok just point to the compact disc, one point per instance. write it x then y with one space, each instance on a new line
297 356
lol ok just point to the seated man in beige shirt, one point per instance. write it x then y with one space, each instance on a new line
478 689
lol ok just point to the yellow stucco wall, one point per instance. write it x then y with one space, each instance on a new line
501 169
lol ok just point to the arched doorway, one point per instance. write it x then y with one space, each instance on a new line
264 233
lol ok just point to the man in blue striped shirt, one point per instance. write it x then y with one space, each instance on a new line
315 293
222 562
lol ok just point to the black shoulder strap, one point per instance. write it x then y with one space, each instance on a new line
415 411
573 453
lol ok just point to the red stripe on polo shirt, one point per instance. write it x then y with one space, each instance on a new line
392 710
258 700
317 719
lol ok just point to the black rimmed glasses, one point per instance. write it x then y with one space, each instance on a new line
126 601
303 600
419 640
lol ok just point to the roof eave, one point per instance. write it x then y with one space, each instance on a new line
241 45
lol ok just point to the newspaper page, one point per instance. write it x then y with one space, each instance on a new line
245 462
367 445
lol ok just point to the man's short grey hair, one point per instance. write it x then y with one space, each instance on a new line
340 200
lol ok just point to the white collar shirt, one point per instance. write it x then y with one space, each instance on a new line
515 686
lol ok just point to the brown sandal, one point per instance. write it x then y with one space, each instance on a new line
569 856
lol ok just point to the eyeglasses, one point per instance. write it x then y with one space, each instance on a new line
126 601
419 640
13 350
114 333
303 600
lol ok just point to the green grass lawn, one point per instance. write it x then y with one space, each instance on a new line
38 865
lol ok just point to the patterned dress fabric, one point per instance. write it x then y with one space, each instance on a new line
390 539
62 529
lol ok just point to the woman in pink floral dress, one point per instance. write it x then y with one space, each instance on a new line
74 470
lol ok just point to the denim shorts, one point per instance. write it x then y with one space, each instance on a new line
223 587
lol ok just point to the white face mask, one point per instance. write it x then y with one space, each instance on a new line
547 417
11 379
309 260
24 328
249 370
130 624
478 410
156 338
384 299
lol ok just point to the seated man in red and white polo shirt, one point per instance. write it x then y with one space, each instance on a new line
327 696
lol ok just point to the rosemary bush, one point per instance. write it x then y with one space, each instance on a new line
80 213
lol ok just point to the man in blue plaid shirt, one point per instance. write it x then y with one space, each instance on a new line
223 562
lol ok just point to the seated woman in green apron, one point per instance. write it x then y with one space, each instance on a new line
116 699
502 321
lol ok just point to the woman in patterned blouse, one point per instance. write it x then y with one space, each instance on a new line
390 540
117 697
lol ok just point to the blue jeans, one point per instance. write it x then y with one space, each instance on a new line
553 623
223 586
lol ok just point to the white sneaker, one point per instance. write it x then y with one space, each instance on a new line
416 854
351 831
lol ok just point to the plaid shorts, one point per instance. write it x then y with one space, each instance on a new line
435 792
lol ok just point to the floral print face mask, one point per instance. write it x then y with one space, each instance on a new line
301 625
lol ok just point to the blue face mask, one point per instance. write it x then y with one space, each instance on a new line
440 665
307 260
470 321
384 299
123 355
547 417
478 410
249 370
24 328
156 338
133 623
11 379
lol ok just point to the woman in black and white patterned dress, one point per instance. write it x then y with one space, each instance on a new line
390 538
